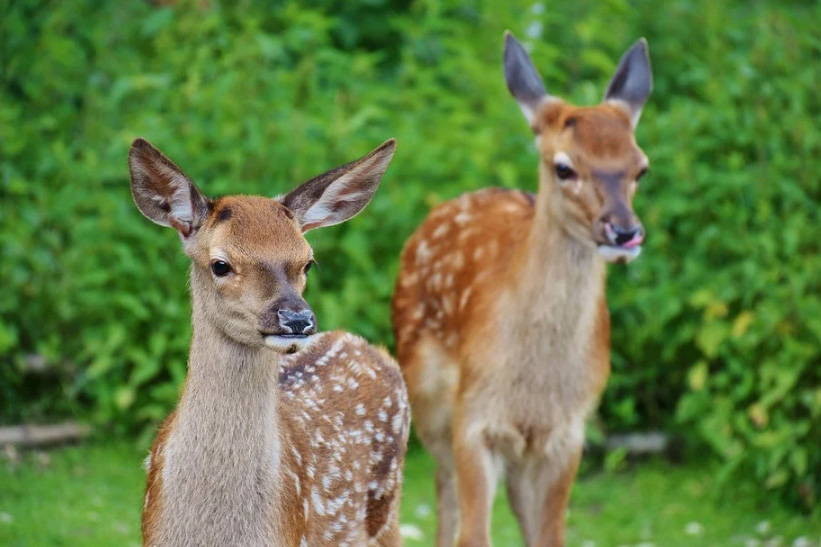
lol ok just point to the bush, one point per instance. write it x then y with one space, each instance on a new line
715 330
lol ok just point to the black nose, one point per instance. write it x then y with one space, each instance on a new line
299 322
626 235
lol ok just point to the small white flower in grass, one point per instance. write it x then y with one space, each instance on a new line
694 529
411 532
774 542
588 543
801 541
422 510
763 527
751 542
5 517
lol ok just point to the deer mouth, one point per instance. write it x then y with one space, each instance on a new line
287 343
619 254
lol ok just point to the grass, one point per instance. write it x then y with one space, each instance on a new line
91 495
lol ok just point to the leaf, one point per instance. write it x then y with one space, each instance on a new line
758 414
697 376
778 478
124 397
711 336
742 322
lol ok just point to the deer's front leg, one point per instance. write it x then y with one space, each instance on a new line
476 478
555 503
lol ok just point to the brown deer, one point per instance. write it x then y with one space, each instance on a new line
501 323
281 436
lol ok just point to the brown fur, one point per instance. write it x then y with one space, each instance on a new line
502 327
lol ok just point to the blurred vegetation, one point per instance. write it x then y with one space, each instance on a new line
716 329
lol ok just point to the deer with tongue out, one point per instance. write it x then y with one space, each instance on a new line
501 324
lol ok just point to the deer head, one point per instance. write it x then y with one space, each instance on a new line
250 259
590 162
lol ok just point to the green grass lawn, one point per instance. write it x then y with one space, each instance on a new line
91 495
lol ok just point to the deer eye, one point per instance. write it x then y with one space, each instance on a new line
307 267
564 172
641 174
220 268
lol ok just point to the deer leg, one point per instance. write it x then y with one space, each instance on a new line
526 495
390 537
476 486
447 507
557 495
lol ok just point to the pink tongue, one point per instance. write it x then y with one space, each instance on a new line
635 242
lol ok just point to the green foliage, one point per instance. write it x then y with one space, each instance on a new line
716 328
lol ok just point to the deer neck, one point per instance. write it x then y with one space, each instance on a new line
559 278
221 461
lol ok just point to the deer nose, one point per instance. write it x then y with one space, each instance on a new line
298 322
624 237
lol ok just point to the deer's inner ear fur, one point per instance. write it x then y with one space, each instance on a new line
341 193
162 192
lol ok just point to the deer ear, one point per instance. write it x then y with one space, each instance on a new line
632 82
522 78
162 192
341 193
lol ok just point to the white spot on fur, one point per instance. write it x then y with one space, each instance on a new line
423 252
462 218
316 501
447 304
441 230
396 423
463 299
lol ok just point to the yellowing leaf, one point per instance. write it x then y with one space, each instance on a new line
778 478
701 298
758 414
124 397
711 336
715 310
742 323
697 376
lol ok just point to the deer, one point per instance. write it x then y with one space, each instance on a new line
499 310
282 435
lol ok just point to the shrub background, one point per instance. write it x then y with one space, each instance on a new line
716 329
